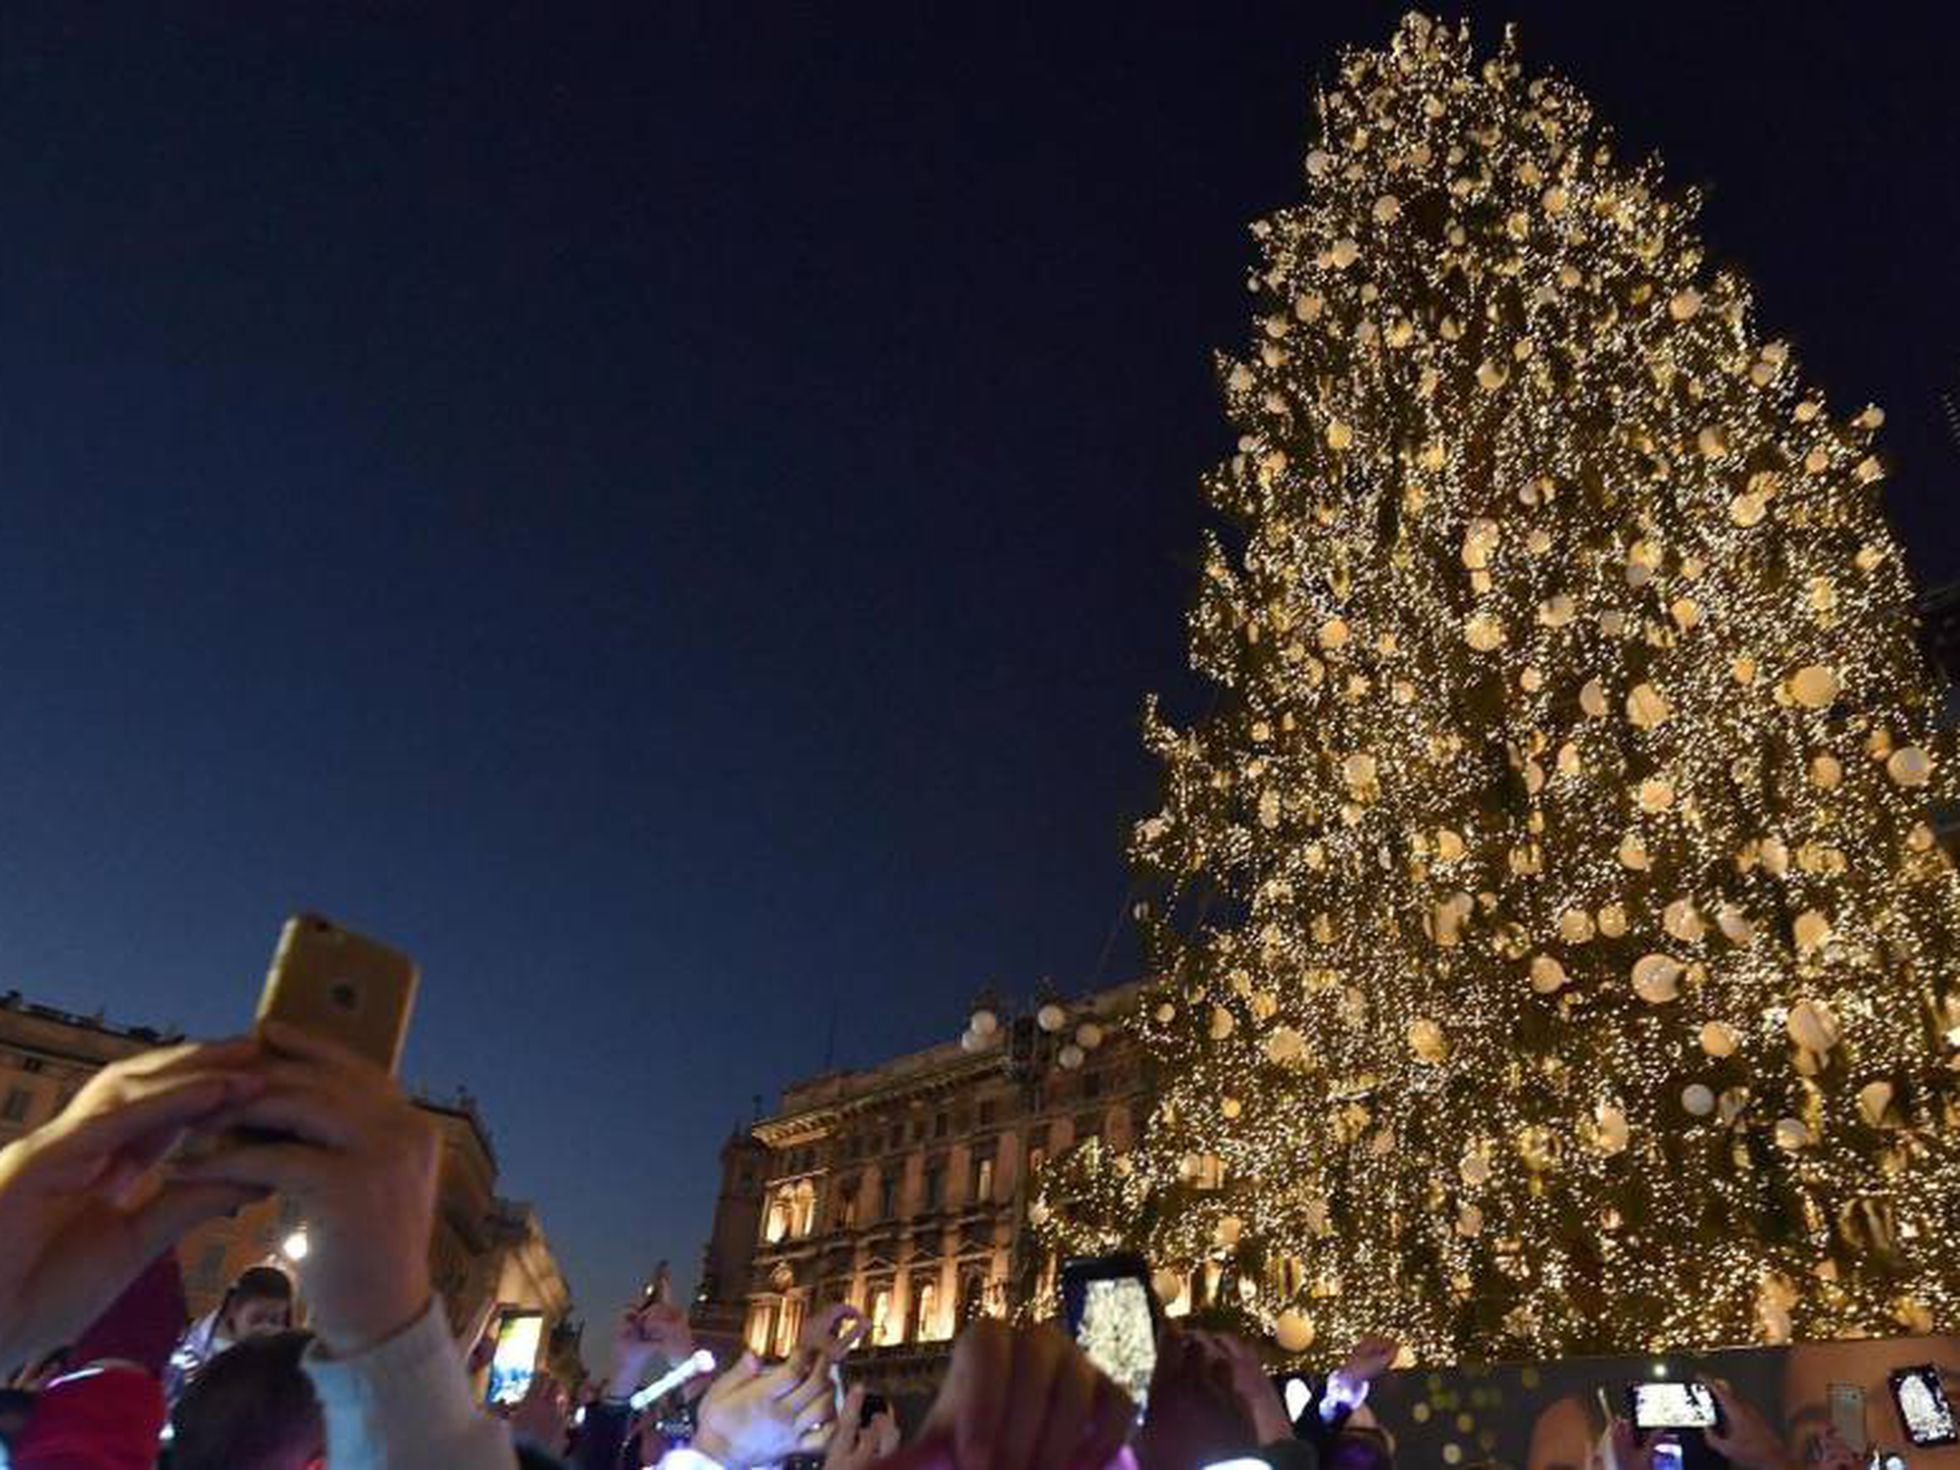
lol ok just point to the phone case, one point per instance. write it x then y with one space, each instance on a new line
335 983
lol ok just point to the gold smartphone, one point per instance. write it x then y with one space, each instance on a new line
335 983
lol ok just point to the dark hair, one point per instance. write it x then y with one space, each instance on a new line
1357 1448
249 1408
260 1284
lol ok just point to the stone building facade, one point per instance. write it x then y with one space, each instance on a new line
902 1189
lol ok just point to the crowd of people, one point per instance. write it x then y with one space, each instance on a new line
108 1375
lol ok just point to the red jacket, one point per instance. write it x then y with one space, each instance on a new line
94 1419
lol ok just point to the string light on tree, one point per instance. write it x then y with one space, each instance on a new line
1551 892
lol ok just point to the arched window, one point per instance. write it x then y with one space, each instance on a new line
775 1222
925 1311
803 1209
880 1314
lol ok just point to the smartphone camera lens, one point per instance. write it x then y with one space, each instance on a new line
343 994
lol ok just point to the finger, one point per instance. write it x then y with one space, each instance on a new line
1105 1428
313 1114
285 1039
1069 1404
1039 1365
294 1168
178 1207
850 1416
162 1108
820 1410
813 1388
981 1395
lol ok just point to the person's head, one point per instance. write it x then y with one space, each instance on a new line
1359 1449
251 1408
259 1303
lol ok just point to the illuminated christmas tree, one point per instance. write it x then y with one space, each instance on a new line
1558 954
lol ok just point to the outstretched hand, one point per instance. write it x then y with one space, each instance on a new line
86 1200
1209 1400
857 1445
753 1415
1023 1400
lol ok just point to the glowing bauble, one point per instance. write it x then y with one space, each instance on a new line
1344 254
1293 1331
1873 1099
1228 1230
985 1022
1633 852
1813 1027
1791 1134
1165 1013
1656 794
1492 374
1358 770
1221 1023
1069 1057
1748 509
1612 921
1610 1130
1339 435
1575 926
1647 706
1909 766
1427 1042
1387 209
1592 698
972 1041
1483 632
1469 1221
1449 846
1231 1107
1547 974
1826 771
1718 1039
1683 921
1685 304
1698 1099
1334 634
1657 978
1051 1018
1812 931
1474 1168
1814 686
1734 924
1286 1045
1089 1036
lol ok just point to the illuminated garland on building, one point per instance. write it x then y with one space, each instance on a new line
1559 955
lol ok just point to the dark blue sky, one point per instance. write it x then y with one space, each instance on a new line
668 513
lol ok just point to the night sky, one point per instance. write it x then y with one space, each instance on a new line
668 513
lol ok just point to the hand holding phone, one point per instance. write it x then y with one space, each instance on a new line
1673 1404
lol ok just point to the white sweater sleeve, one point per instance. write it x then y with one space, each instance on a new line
405 1404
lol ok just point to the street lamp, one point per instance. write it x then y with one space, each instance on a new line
295 1246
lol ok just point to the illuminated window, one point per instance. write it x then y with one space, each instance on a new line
880 1314
775 1225
925 1312
983 1181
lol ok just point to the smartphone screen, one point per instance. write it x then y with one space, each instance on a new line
1113 1317
1674 1405
1923 1408
519 1336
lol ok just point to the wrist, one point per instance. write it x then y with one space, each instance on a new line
351 1335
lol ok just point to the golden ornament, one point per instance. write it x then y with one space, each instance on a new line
1873 1100
1683 921
1344 254
1909 766
1293 1331
1387 209
1592 698
1613 921
1697 1099
1610 1131
1647 707
1222 1023
1492 374
1813 1026
1339 435
1657 978
1791 1134
1826 771
1814 686
1483 632
1547 974
1427 1042
1686 304
1334 634
1656 794
1286 1045
1734 924
1718 1039
1811 931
